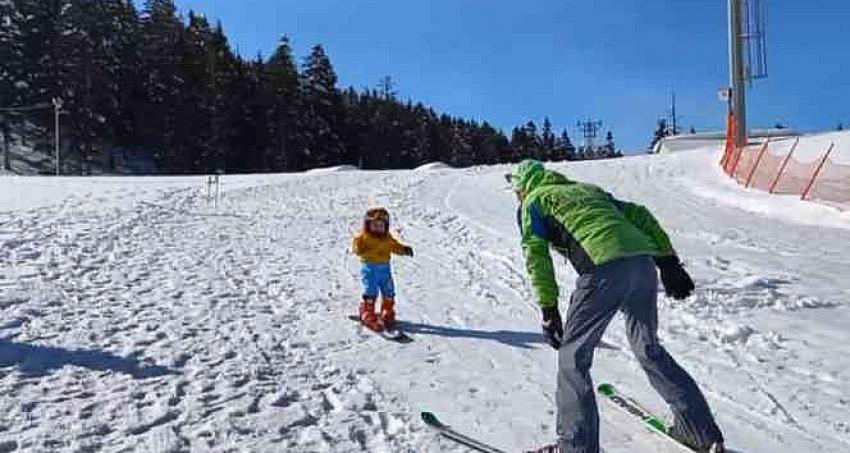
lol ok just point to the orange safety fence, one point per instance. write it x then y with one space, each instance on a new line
832 185
777 166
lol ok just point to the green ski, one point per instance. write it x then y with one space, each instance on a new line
629 405
448 432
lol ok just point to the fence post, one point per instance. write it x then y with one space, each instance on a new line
782 167
730 134
737 160
758 161
816 173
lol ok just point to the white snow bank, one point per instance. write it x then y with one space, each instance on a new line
701 174
433 166
336 169
690 142
813 147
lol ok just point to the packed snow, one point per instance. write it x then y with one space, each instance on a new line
135 315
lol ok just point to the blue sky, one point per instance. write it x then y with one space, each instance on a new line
513 61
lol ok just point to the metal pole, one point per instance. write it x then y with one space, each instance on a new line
736 72
57 107
675 127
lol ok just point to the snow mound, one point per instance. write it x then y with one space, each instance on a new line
433 166
813 146
690 142
336 169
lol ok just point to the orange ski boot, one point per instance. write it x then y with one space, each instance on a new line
388 312
367 315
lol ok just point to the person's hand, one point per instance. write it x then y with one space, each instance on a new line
407 251
552 326
677 283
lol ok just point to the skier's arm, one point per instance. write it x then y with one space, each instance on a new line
538 261
398 248
357 244
642 218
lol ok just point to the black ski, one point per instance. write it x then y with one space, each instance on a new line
393 334
448 432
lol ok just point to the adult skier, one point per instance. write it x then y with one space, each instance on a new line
614 247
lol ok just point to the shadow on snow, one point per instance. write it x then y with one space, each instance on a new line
523 340
35 360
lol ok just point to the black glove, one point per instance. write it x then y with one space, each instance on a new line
552 326
407 251
677 283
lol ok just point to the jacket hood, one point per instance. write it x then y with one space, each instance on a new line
531 174
546 178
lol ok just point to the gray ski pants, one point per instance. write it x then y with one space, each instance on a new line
629 285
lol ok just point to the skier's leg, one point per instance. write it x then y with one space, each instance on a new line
594 302
369 279
388 297
690 409
370 294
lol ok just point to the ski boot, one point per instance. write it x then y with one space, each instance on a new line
368 317
388 312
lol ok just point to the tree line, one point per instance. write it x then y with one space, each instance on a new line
169 91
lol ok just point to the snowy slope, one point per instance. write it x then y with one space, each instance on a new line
135 316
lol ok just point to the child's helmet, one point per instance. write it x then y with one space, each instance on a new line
377 213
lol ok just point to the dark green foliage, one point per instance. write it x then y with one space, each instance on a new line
153 86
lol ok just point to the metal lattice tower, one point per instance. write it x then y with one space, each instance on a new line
589 130
672 116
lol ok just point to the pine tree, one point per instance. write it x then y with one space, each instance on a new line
533 141
162 38
422 137
564 149
386 88
280 82
12 76
128 83
461 145
92 49
39 29
547 141
568 146
322 111
661 131
227 99
246 119
519 144
43 63
610 148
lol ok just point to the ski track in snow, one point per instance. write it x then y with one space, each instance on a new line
134 316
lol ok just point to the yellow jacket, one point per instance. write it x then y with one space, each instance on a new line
375 249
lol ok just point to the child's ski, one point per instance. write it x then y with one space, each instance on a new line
632 407
393 334
448 432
